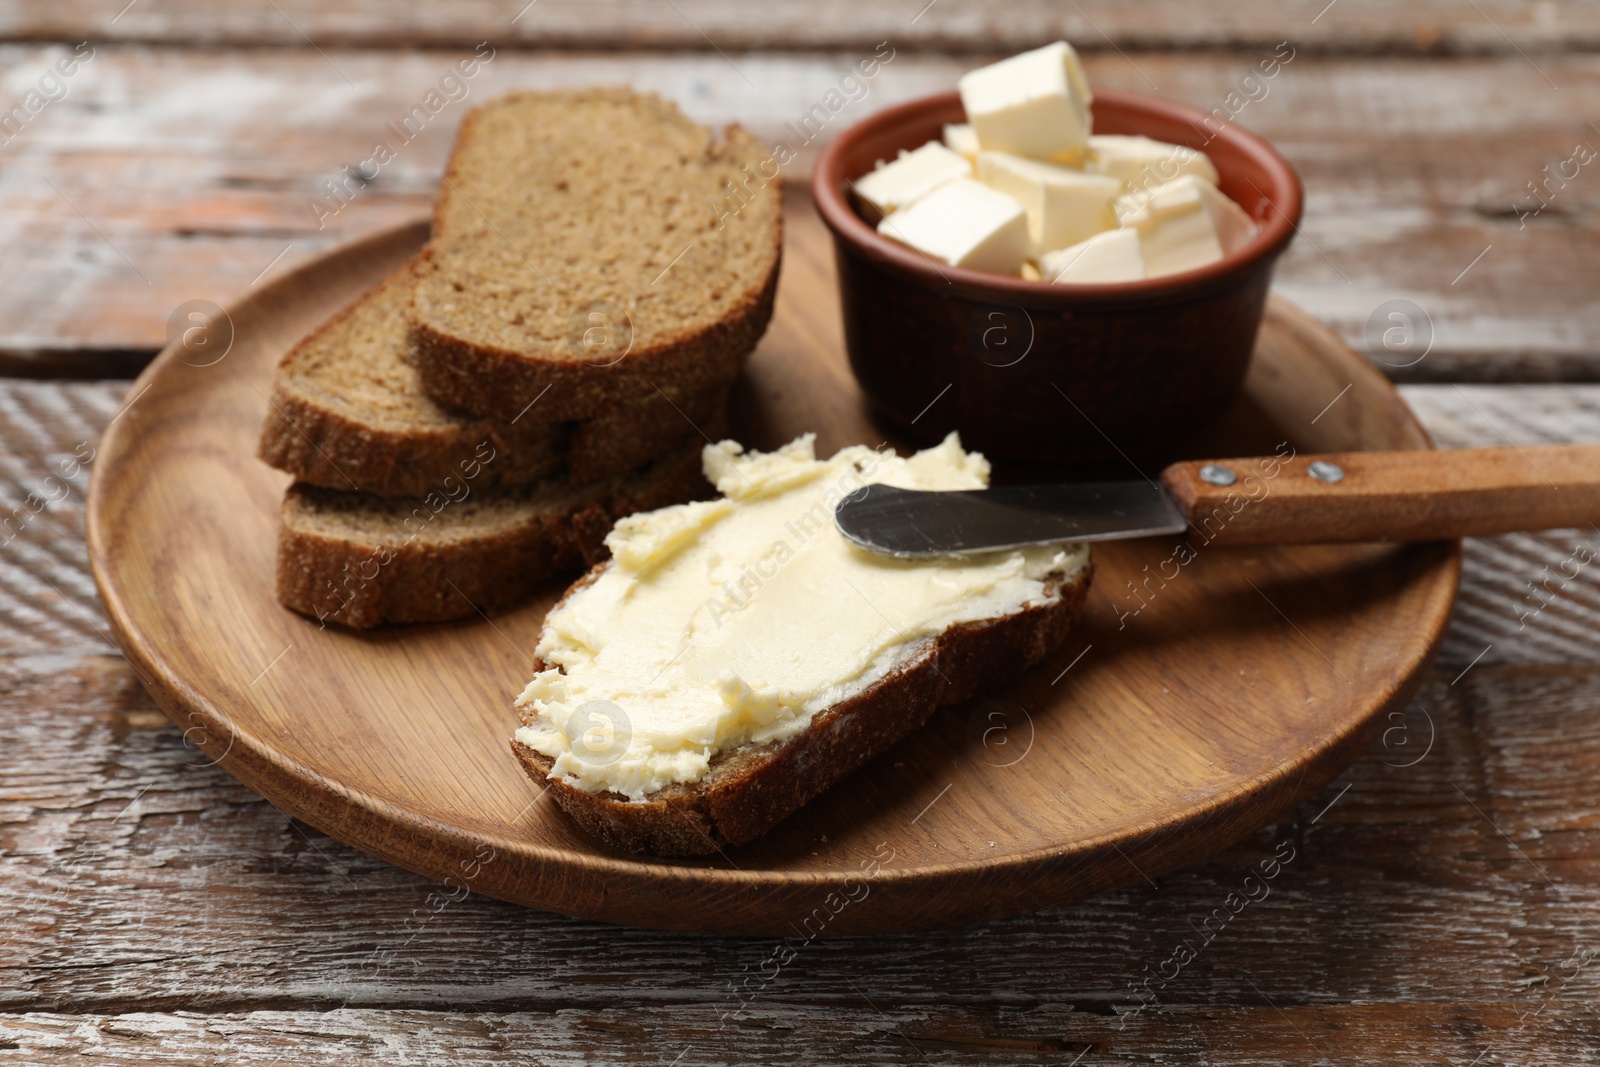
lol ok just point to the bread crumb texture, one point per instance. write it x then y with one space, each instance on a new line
559 204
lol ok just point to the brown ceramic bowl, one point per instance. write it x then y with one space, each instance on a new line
1053 373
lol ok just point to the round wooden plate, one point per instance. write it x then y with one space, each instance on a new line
1194 703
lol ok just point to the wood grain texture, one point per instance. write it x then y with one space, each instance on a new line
1366 26
395 740
47 600
1271 1033
1525 598
161 912
1391 496
194 174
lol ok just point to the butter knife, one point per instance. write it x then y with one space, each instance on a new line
1282 499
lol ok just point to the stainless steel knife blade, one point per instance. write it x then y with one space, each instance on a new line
917 524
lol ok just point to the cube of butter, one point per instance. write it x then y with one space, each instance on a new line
1064 206
1184 224
1143 162
1034 104
959 137
1113 256
914 175
965 224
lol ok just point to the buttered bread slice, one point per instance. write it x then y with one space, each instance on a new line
737 656
597 244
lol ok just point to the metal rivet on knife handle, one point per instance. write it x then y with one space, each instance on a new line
1216 474
1324 471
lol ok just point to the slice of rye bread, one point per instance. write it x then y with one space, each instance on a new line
597 243
348 412
363 560
752 788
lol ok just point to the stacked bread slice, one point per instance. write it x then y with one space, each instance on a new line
552 360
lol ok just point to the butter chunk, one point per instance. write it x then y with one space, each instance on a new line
1113 256
1143 162
642 545
960 137
1064 206
1034 104
1184 224
965 224
911 177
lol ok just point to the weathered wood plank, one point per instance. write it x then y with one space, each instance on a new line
169 175
1451 867
48 601
947 25
1269 1034
1525 598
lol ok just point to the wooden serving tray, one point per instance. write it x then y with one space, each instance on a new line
1242 683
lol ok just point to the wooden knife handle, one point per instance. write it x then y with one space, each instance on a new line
1387 496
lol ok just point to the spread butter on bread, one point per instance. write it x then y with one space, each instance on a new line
737 656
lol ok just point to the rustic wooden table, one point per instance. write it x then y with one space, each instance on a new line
1442 903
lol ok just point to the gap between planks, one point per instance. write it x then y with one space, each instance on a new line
1357 27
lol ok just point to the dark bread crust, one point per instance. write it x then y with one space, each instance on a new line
320 443
363 581
322 446
497 382
749 790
